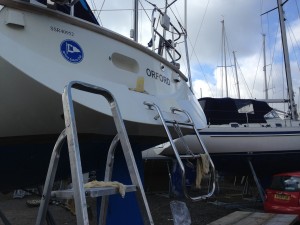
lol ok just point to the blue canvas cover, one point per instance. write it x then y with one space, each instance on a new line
228 110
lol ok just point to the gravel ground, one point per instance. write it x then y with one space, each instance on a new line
228 200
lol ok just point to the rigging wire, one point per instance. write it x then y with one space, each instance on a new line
201 23
241 72
269 35
297 8
94 9
273 58
190 42
271 53
145 10
98 17
222 60
205 77
231 79
140 25
129 9
291 34
256 70
230 65
193 46
261 21
283 81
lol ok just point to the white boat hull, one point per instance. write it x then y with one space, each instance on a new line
226 140
33 78
235 140
270 150
37 62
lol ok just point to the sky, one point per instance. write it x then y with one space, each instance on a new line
244 27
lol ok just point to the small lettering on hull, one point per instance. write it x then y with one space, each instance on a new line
62 31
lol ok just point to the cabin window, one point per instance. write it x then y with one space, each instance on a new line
272 115
234 124
246 109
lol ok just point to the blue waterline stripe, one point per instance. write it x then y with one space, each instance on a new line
290 133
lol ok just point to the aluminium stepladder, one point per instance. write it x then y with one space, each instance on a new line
178 127
78 192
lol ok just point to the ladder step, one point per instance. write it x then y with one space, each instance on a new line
180 123
92 192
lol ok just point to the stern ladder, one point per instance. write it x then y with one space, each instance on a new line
178 126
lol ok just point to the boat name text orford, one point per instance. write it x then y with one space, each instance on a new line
157 76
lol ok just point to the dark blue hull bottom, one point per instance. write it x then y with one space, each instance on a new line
25 164
264 163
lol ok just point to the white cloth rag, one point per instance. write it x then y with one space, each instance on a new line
202 169
121 187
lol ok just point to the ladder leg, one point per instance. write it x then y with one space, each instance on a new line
140 193
107 177
131 164
50 179
50 219
74 156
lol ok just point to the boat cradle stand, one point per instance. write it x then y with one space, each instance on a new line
260 189
78 192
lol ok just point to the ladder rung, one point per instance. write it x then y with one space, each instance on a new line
180 123
92 192
188 156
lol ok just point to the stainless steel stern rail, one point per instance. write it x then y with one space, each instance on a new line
188 123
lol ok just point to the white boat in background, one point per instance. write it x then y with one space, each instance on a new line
246 125
240 132
234 135
45 45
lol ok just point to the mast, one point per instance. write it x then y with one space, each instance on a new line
294 113
236 76
224 50
186 47
135 21
264 68
299 100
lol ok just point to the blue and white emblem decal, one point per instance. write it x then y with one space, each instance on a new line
71 51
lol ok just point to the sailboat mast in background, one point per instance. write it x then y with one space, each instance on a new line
265 67
186 48
135 23
293 108
224 50
236 76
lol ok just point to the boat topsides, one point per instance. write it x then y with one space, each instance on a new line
41 9
55 49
